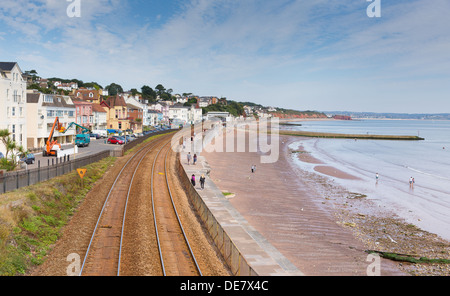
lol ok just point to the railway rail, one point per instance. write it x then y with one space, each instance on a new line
104 254
176 256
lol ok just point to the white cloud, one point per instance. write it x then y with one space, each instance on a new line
316 50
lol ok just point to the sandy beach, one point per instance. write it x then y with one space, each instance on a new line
320 227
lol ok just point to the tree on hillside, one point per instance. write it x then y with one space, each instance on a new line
92 84
160 89
114 89
134 92
148 93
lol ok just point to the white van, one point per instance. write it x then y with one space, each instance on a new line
102 133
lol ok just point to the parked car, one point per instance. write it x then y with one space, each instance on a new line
29 159
97 136
116 140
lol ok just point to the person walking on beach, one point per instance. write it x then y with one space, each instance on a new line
195 158
189 158
411 182
193 180
377 177
202 181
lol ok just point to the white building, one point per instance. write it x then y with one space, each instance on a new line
162 108
179 114
13 108
45 108
100 117
195 114
154 117
141 104
66 86
218 114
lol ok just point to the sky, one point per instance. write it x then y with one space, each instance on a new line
324 55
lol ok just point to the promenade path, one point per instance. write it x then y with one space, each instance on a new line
282 215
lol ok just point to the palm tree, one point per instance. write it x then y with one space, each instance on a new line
12 149
4 135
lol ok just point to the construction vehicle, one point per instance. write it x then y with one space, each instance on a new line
83 139
52 146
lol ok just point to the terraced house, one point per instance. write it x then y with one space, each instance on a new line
13 111
117 113
44 109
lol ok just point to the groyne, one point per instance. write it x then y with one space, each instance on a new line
350 136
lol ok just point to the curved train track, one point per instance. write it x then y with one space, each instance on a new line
104 256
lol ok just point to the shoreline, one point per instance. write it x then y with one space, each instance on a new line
321 227
289 212
381 229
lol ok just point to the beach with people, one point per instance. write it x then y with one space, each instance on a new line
321 226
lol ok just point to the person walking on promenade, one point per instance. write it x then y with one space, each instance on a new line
202 181
195 158
193 180
253 168
189 158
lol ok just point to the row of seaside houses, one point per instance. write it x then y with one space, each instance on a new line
29 115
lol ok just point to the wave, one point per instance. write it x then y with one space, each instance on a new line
427 174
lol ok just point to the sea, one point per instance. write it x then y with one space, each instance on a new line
427 204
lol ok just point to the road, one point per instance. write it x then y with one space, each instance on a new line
96 146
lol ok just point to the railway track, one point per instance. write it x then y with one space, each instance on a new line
104 255
176 256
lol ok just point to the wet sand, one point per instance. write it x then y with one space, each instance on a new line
280 202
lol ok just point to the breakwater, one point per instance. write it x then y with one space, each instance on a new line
350 136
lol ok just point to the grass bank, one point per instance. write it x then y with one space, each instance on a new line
349 136
32 218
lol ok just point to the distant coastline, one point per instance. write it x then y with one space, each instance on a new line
390 116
